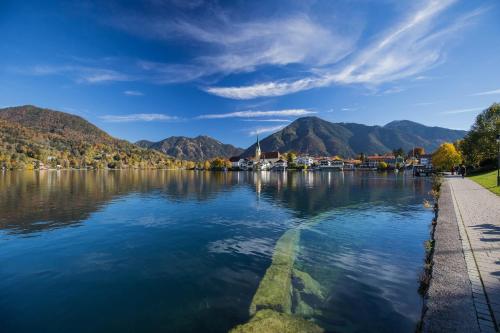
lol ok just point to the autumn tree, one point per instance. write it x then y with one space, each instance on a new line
219 164
382 166
446 157
291 157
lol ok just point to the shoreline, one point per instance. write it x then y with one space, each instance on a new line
229 170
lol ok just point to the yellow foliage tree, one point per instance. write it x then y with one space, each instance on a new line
446 156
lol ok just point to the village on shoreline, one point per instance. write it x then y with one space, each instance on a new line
262 161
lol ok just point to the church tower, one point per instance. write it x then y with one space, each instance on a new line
257 150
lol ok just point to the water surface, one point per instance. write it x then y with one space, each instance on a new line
184 251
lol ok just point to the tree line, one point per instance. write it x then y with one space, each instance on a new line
478 149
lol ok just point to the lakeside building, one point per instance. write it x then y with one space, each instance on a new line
305 160
270 157
280 165
391 161
334 164
260 161
426 160
351 164
237 162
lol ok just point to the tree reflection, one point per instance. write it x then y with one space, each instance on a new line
36 201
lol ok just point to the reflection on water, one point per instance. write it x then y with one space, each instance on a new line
183 251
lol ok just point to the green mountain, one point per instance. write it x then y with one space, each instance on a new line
30 135
193 149
319 137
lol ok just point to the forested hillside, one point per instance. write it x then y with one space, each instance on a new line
32 137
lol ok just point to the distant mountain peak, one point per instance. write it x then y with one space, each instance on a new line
402 122
199 148
319 137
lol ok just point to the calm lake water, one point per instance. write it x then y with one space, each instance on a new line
184 251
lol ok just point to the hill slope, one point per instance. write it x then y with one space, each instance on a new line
30 135
319 137
71 127
192 149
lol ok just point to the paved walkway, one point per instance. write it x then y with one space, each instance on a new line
478 215
464 295
449 304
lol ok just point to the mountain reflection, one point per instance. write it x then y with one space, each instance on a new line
38 201
312 193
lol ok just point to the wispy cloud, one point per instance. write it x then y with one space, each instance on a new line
254 114
234 45
409 48
133 93
137 117
319 52
268 120
267 89
81 74
456 111
260 130
486 93
393 90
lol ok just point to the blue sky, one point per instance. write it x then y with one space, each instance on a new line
232 69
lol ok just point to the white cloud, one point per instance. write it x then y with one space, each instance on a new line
133 93
409 48
268 89
260 130
103 75
393 90
321 52
485 93
137 117
253 114
235 45
456 111
268 120
81 74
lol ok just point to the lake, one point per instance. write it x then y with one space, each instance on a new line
186 251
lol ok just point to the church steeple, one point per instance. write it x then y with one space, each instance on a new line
257 150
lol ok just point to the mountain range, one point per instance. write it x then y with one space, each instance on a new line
29 134
193 149
318 137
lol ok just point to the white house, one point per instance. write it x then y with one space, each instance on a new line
426 160
331 164
237 162
304 161
280 165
